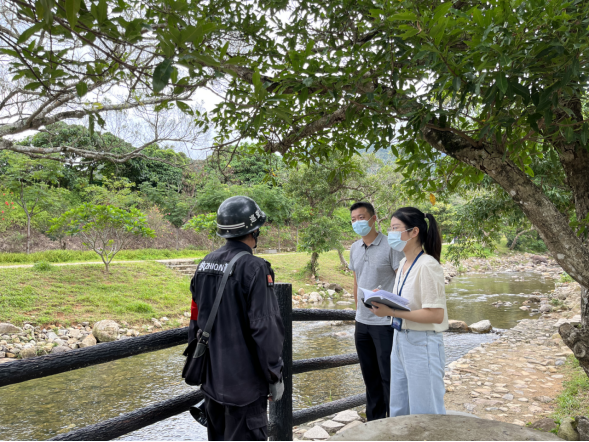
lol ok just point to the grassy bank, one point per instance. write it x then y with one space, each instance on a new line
132 292
58 256
574 398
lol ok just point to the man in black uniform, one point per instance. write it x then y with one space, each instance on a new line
246 339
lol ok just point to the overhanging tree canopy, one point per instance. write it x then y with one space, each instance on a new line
461 88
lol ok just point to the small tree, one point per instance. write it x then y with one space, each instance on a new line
104 229
32 184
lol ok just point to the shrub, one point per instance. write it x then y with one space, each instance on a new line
43 266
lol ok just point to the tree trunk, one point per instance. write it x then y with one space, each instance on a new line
278 239
106 267
28 233
578 339
342 260
514 242
314 259
567 248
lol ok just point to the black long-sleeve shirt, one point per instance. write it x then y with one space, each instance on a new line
247 336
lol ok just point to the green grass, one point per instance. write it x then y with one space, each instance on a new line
133 292
57 256
565 277
574 399
291 268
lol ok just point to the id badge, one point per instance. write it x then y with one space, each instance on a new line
397 324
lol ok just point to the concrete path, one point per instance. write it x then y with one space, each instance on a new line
163 261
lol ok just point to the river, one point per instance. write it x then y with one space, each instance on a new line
40 408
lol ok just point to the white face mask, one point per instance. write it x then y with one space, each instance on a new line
395 240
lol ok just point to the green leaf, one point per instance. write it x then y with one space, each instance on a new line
407 15
502 82
72 7
478 17
441 10
81 88
102 11
161 75
303 94
256 79
27 33
456 83
437 31
576 67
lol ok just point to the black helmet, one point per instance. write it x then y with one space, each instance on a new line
238 216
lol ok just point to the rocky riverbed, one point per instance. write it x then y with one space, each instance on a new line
30 341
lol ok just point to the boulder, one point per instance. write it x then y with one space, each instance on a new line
88 341
28 353
51 336
315 297
440 427
331 292
582 427
338 288
6 328
537 259
301 292
483 326
106 331
58 350
457 326
75 333
546 424
348 426
545 308
567 430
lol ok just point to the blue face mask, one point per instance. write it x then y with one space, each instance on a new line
396 242
362 227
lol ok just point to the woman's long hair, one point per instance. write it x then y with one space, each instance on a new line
430 237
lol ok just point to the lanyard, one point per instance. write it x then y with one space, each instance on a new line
407 274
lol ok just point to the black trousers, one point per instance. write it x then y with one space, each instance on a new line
374 344
227 422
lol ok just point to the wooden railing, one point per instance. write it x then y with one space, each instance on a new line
282 417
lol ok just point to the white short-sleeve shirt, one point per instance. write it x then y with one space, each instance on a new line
424 288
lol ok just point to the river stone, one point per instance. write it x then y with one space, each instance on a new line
75 333
60 349
106 331
567 430
582 427
88 341
316 433
546 424
345 417
483 326
545 308
6 328
332 425
440 427
315 297
28 353
457 326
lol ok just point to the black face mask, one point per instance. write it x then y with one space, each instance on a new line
256 234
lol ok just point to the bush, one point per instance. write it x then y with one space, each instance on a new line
43 266
528 242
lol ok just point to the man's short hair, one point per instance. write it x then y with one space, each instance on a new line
369 207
